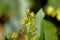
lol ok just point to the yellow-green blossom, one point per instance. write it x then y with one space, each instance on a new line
28 24
58 11
58 14
21 30
27 13
24 20
8 35
28 30
14 35
33 24
32 15
35 37
53 14
50 9
33 33
58 17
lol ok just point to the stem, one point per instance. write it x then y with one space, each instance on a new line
1 32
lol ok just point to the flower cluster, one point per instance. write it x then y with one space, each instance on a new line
14 36
30 26
54 12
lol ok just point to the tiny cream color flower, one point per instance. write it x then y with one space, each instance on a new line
50 9
14 35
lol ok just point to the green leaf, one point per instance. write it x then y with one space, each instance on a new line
39 17
49 30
